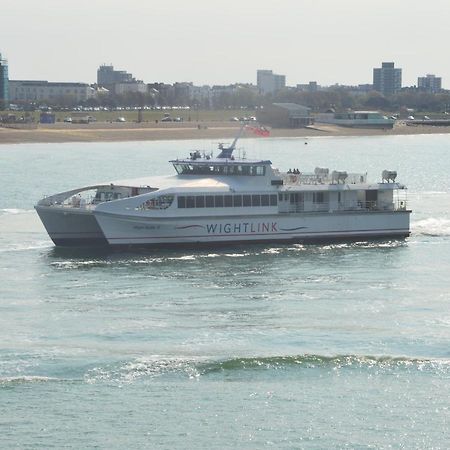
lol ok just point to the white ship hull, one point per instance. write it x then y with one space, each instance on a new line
71 227
306 227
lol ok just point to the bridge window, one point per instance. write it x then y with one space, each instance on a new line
219 169
161 202
318 197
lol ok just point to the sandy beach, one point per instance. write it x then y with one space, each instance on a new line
116 132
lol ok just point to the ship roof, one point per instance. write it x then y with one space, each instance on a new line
220 161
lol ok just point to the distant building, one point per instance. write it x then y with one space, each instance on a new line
125 88
4 81
119 81
387 79
107 76
286 115
27 91
312 86
430 83
269 82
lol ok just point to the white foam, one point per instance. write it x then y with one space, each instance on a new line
26 379
15 211
432 227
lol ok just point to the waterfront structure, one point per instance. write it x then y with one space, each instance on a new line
431 83
4 83
269 82
387 79
286 115
357 119
22 91
226 200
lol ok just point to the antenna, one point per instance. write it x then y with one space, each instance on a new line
226 152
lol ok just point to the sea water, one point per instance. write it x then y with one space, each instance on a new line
278 346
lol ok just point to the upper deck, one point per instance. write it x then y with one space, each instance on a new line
205 165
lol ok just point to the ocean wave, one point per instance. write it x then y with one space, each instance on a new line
23 379
431 227
149 368
131 371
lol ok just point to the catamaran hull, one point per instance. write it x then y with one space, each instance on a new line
71 227
120 230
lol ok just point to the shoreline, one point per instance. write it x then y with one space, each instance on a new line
113 132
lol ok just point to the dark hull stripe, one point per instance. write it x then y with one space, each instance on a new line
81 242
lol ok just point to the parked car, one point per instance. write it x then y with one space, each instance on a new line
68 119
166 119
121 119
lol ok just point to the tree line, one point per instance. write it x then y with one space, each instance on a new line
338 98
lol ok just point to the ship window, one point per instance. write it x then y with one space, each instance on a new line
161 202
260 170
190 202
280 197
209 201
245 170
181 202
256 200
228 200
237 200
247 200
265 200
273 200
218 201
318 197
200 201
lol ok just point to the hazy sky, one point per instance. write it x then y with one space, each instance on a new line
221 42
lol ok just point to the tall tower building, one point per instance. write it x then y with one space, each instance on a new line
4 92
430 83
269 82
387 79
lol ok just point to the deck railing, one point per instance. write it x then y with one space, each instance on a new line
311 178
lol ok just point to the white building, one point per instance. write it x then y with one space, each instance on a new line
38 91
125 88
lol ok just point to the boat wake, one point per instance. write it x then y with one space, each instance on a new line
431 227
15 211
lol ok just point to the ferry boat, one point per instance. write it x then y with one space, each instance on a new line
225 200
